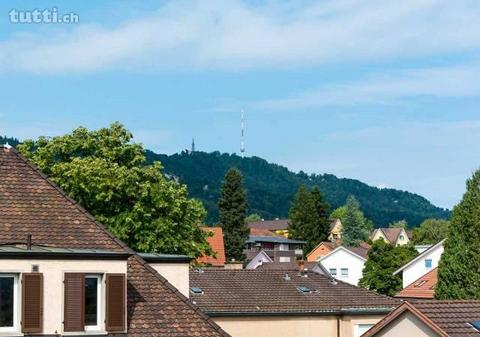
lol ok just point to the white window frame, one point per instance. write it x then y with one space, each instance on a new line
100 312
16 303
341 272
357 329
333 269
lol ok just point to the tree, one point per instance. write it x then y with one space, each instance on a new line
253 218
383 260
106 174
339 213
458 270
356 228
309 218
431 231
232 208
399 224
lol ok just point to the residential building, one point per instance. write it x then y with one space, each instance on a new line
288 266
279 248
218 247
336 229
62 273
430 319
273 303
346 263
322 249
422 288
277 226
259 259
422 264
394 236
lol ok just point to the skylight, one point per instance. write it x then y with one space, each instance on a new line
196 290
303 289
476 325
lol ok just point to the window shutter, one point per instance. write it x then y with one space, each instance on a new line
32 302
74 306
115 299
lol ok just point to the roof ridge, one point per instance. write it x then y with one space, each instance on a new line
182 297
73 202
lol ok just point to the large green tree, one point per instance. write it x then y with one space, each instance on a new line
356 228
106 174
383 260
459 267
431 231
309 218
232 210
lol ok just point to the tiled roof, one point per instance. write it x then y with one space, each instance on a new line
217 244
391 234
360 251
272 239
261 232
257 291
446 318
292 266
424 287
280 224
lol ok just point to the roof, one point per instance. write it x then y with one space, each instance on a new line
292 266
424 287
391 234
279 224
252 292
216 243
328 244
22 251
32 204
446 318
419 257
359 252
165 258
272 239
261 232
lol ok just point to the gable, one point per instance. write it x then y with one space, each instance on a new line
406 324
342 255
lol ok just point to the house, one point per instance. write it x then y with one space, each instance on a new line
336 229
260 259
422 288
273 303
277 226
346 263
322 249
430 319
62 273
422 264
394 236
277 247
216 243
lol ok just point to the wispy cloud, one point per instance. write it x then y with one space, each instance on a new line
232 35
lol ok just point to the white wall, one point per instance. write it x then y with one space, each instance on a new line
53 274
406 325
176 274
342 259
417 269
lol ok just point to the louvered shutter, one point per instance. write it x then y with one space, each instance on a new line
115 300
74 306
32 302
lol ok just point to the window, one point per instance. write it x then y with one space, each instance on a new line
93 303
283 247
360 329
284 259
344 272
333 271
402 238
428 263
8 302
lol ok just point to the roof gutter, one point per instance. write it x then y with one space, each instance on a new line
63 256
351 312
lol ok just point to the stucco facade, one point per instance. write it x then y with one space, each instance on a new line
406 325
295 326
176 274
344 265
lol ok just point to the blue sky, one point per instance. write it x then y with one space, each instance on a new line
385 92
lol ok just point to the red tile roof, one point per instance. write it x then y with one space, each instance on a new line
217 244
272 225
424 287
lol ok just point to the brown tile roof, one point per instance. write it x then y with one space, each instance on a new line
446 318
261 232
272 225
424 287
391 233
360 251
293 266
217 244
257 291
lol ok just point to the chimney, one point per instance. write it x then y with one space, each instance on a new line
29 241
301 266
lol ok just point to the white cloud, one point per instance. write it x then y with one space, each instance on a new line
231 35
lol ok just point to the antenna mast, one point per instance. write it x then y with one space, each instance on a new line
242 139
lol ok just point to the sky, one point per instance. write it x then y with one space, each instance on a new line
380 91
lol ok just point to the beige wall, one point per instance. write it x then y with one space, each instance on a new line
53 275
176 274
309 326
407 325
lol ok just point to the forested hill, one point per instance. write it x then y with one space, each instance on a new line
270 188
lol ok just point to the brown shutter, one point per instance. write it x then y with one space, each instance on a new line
115 299
74 306
32 302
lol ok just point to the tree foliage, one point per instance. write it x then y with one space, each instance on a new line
356 228
232 206
399 224
309 218
383 260
431 231
252 218
459 267
106 174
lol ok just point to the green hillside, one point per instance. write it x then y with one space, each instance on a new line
270 188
